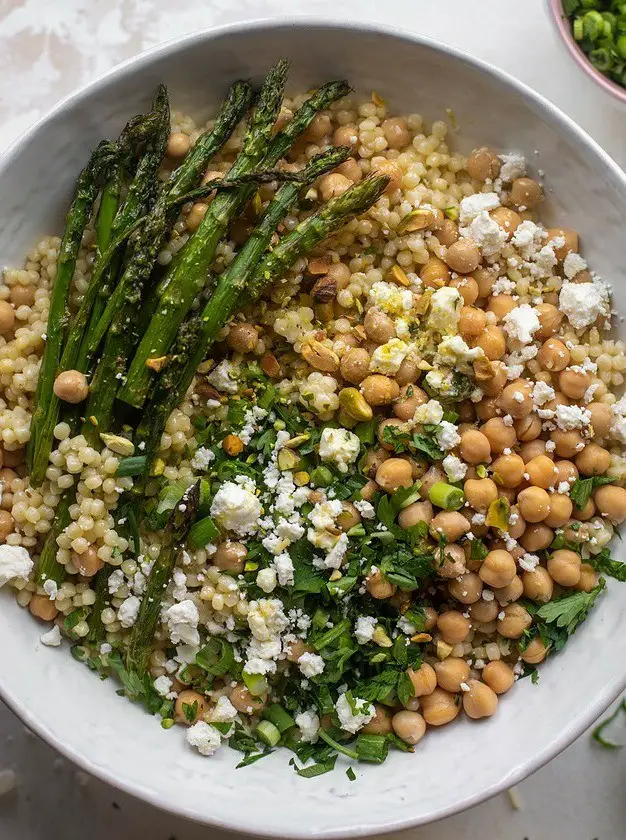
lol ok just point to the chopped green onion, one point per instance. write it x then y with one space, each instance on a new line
255 683
372 748
321 477
134 465
601 59
167 723
337 746
281 719
268 733
203 532
593 25
317 769
351 774
446 496
356 531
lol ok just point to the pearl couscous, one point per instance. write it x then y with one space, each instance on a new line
389 490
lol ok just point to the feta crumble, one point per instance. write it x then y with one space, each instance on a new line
364 628
353 721
236 508
15 562
204 737
339 446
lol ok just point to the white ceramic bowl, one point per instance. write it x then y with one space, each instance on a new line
465 762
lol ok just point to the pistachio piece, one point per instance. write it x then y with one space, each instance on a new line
421 218
320 357
288 460
298 440
324 290
270 366
380 637
398 275
498 514
118 444
319 265
355 404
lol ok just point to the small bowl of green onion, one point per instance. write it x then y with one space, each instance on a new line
594 32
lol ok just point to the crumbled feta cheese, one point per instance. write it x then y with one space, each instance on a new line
309 724
115 581
473 205
318 394
204 737
618 429
128 611
528 562
572 417
224 377
445 310
182 622
51 589
388 357
236 508
454 467
364 628
365 508
447 435
339 446
584 302
163 685
528 238
335 557
521 323
503 286
311 664
52 638
486 233
324 514
544 260
573 264
294 324
430 412
353 721
391 298
251 420
542 393
202 458
405 626
266 579
266 618
455 353
15 562
513 166
284 568
224 711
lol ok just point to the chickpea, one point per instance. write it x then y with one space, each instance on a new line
528 428
588 578
567 443
417 512
340 273
245 702
378 326
483 164
498 568
480 701
508 220
242 338
453 626
472 322
535 652
492 342
533 449
550 319
196 215
296 649
185 703
484 612
318 129
369 490
411 397
574 383
7 525
382 166
501 305
518 526
392 422
474 447
571 241
515 621
434 273
71 386
178 144
564 567
349 516
508 470
396 132
463 256
466 589
467 287
379 587
346 135
42 607
355 364
480 493
601 418
372 461
487 408
351 170
408 372
333 185
499 435
393 474
533 504
493 386
541 471
485 278
379 390
449 523
447 233
566 471
593 460
585 513
516 399
440 707
450 562
526 192
498 676
21 296
560 510
424 679
553 355
451 672
7 317
380 724
537 536
87 563
432 476
408 726
611 502
231 557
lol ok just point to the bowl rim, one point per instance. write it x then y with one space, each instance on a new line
150 56
561 22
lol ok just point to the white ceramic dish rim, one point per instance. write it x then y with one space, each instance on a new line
610 692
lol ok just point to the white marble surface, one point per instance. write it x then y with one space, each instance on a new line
47 48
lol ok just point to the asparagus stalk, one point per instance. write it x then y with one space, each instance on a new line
237 284
48 567
76 221
185 280
175 533
155 228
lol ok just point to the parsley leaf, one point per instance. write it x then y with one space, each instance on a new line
598 732
478 550
190 710
558 619
582 488
428 445
604 563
